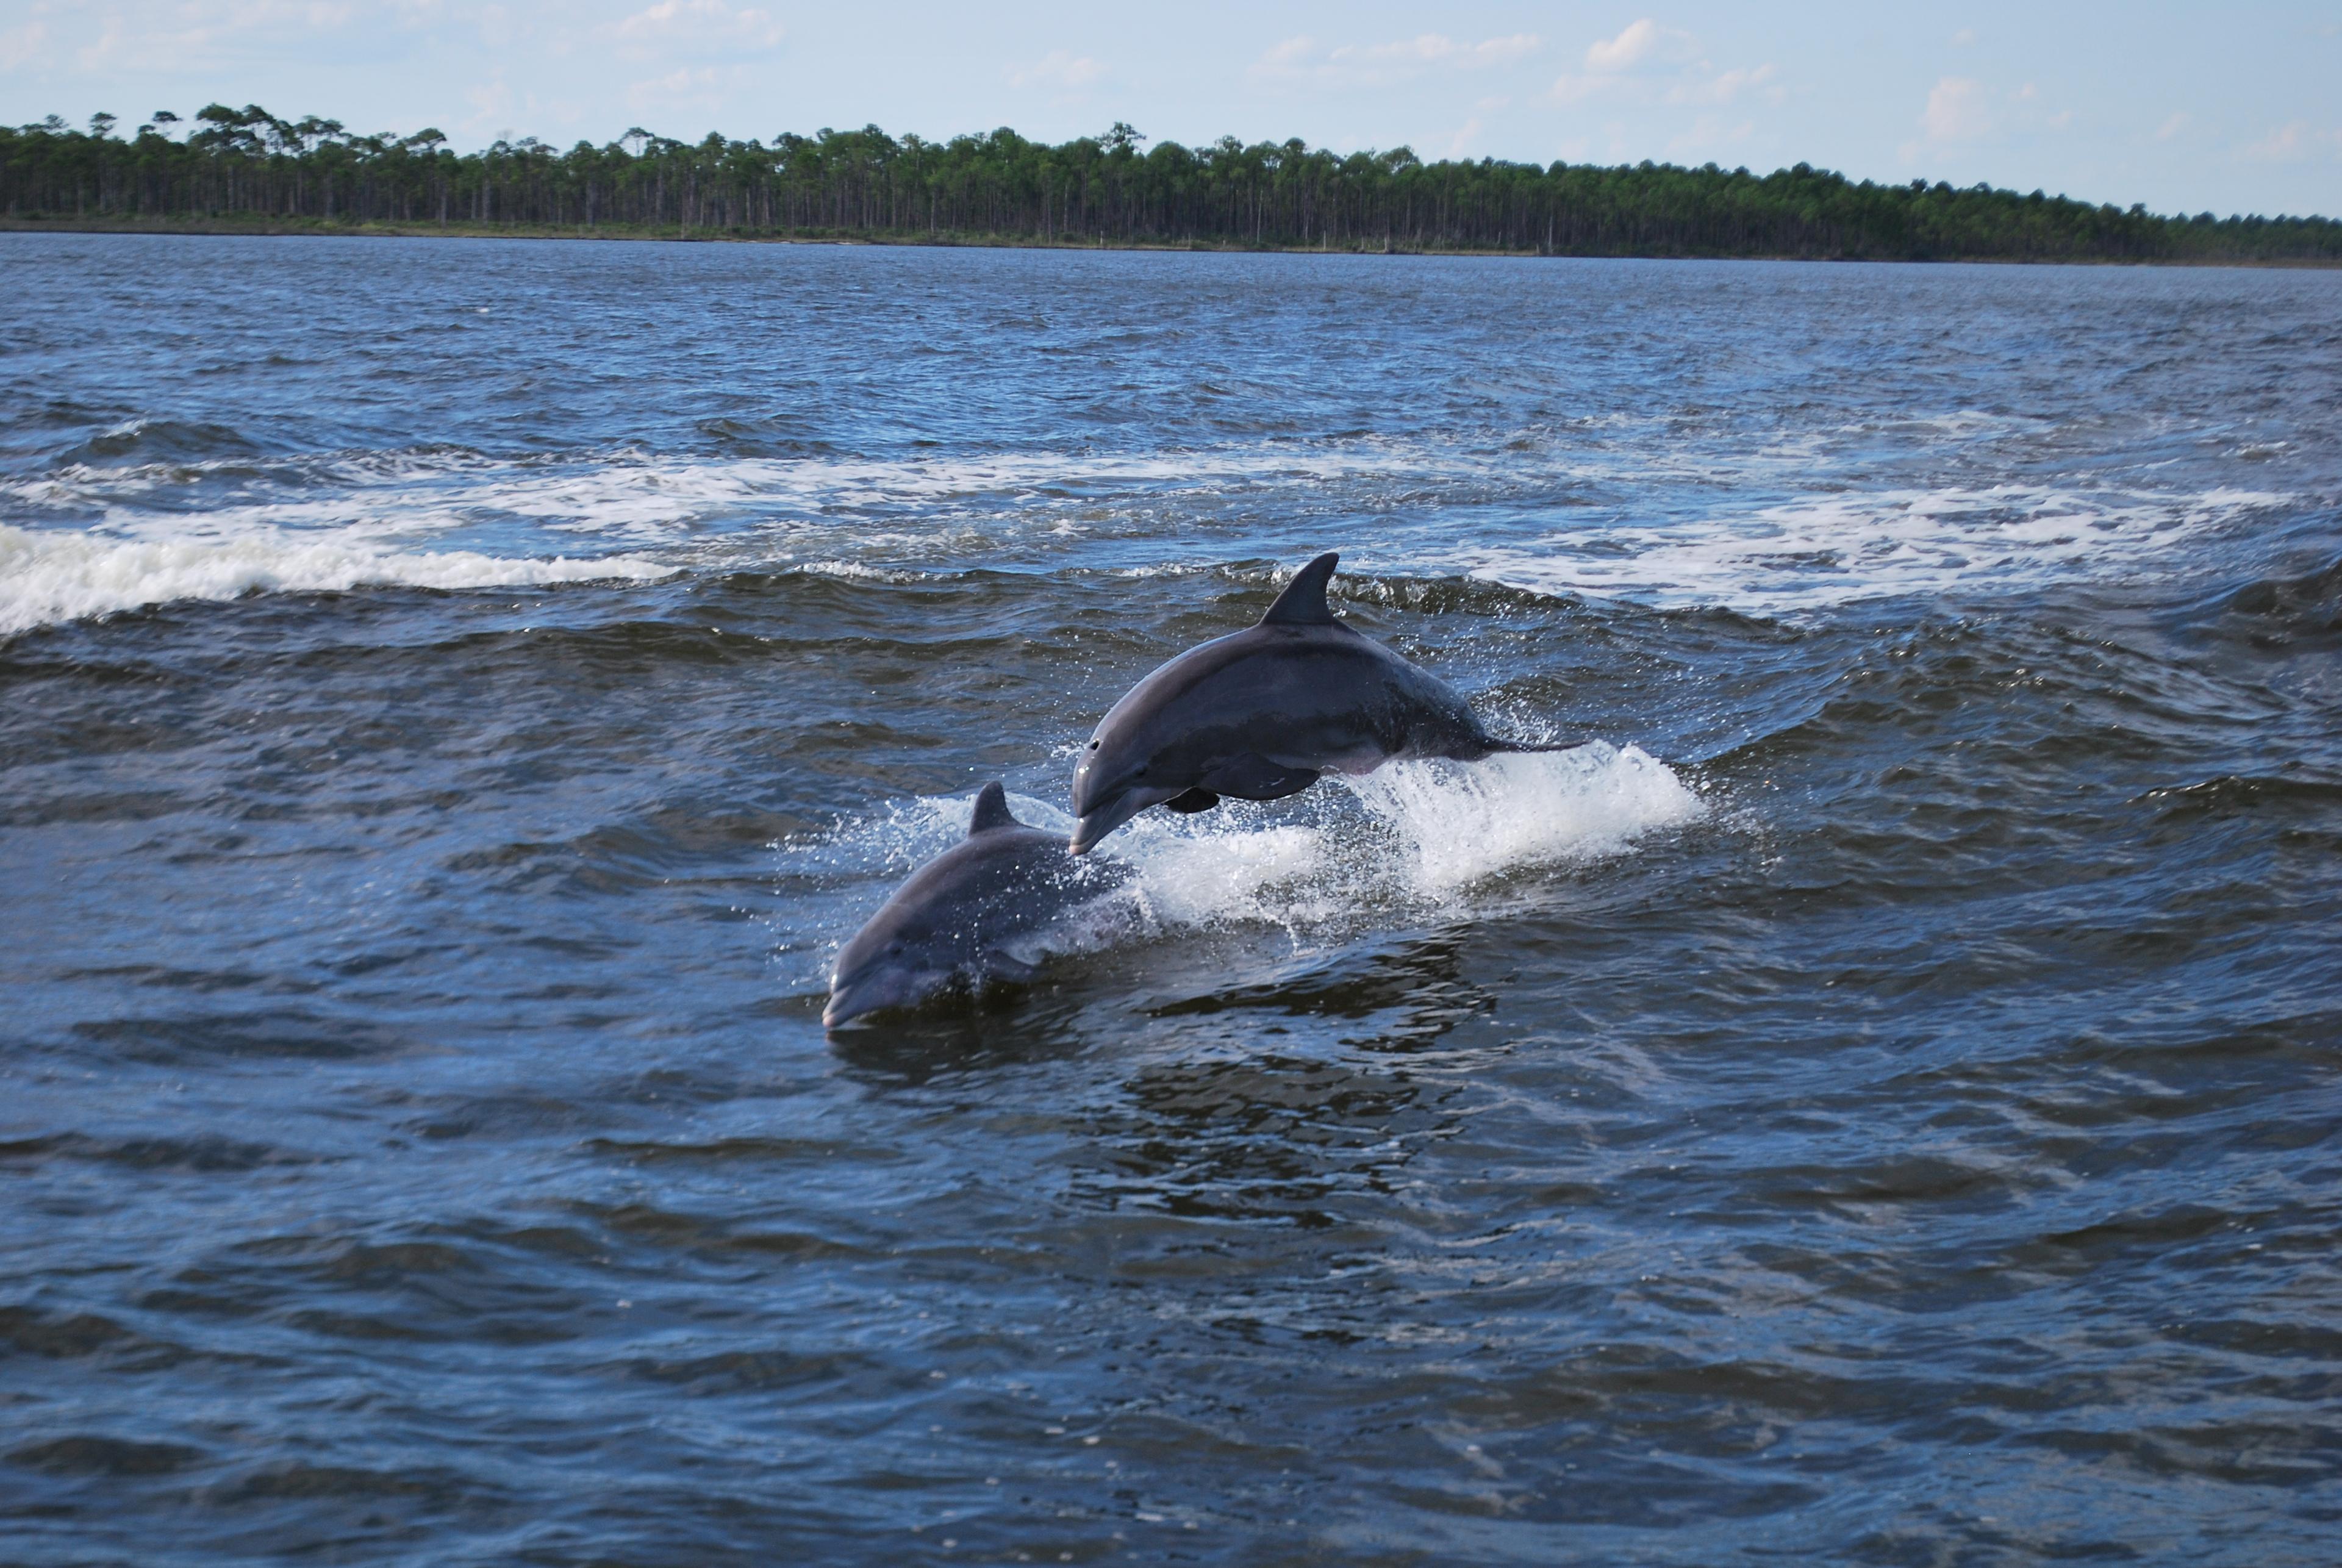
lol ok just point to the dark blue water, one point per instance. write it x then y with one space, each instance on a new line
1879 1105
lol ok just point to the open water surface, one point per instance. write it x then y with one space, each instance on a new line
1879 1105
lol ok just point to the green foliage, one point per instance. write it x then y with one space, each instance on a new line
246 164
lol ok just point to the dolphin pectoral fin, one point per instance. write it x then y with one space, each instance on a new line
1194 800
1253 777
1522 748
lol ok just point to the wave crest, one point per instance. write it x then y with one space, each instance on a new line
48 577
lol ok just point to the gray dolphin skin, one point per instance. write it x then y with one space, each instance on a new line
945 927
1262 714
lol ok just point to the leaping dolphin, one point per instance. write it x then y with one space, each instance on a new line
953 922
1262 714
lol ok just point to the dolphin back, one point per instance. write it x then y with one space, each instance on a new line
947 926
1264 713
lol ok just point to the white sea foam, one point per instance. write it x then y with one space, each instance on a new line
1826 551
1554 516
630 494
47 577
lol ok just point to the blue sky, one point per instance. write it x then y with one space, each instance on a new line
2235 108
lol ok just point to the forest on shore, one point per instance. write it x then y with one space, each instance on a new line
246 168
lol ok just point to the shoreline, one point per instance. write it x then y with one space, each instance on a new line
281 228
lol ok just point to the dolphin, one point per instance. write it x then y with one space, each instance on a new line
951 923
1262 714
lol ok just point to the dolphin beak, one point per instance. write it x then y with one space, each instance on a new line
865 992
1111 814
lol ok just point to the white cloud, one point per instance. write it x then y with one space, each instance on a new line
195 35
1628 49
1647 64
1721 88
1965 109
118 48
1964 38
1400 60
1959 110
1439 49
2294 142
492 102
698 24
1059 68
1287 56
23 46
2282 145
682 85
2172 126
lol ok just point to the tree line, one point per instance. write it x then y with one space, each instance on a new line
248 166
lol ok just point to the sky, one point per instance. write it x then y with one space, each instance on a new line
2186 108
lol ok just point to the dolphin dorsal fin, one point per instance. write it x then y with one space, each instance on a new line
991 810
1303 603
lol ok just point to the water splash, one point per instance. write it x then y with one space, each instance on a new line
1411 841
1462 825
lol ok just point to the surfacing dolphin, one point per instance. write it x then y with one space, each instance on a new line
952 925
1262 714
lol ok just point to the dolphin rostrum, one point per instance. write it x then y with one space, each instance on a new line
953 922
1260 714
